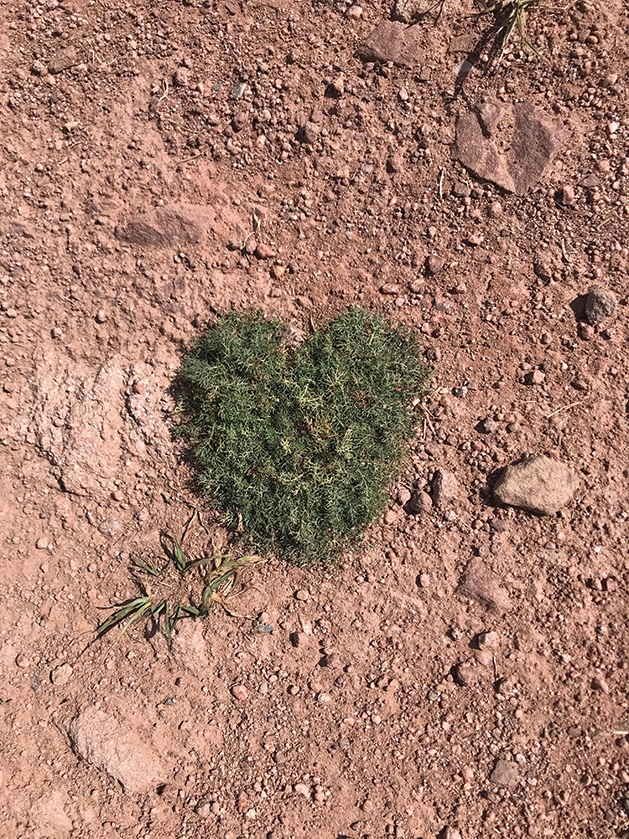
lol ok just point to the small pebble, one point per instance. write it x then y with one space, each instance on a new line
600 304
389 289
302 595
488 641
567 195
239 692
536 377
599 683
61 675
264 251
22 661
505 774
355 12
460 190
101 316
310 133
302 789
434 263
467 773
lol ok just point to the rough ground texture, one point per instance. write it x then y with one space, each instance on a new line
161 161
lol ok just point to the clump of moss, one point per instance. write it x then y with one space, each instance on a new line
297 446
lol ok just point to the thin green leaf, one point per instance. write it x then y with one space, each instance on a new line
123 610
144 566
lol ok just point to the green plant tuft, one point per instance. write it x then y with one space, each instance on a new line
297 446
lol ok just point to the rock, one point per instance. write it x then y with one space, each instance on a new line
165 227
434 263
488 641
505 774
530 137
599 683
63 60
538 484
484 657
600 304
489 426
239 692
181 77
203 809
465 673
445 488
38 68
188 647
101 316
420 502
264 251
110 528
480 583
22 661
395 42
536 377
302 595
566 195
310 133
460 189
115 749
405 10
390 289
302 789
42 543
61 675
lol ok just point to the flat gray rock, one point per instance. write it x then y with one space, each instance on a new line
509 145
395 42
119 751
538 484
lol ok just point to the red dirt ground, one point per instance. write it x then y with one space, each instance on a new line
371 709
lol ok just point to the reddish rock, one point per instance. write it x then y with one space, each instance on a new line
264 251
505 774
116 749
395 42
165 227
530 137
480 583
434 263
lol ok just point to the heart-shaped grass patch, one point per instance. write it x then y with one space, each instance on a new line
297 446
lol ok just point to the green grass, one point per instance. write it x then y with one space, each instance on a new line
165 601
297 447
510 17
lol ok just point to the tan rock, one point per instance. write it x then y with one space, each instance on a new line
538 484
